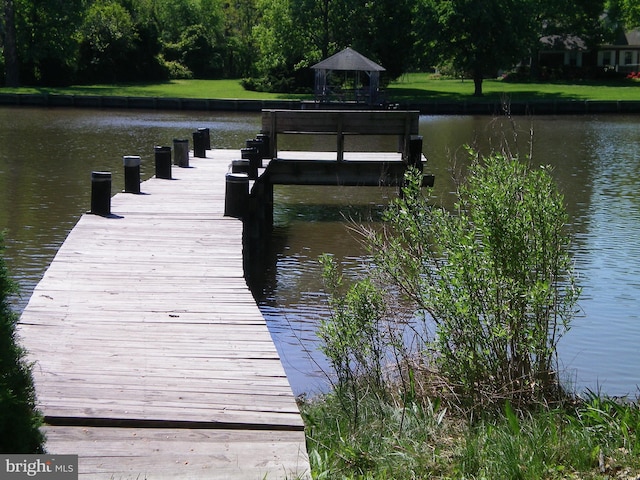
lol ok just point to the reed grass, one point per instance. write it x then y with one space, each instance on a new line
595 438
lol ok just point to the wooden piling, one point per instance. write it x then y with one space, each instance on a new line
131 173
101 193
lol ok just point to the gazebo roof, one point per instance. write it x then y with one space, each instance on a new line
348 59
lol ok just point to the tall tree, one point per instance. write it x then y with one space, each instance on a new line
567 18
380 30
108 36
279 37
240 17
12 68
624 13
384 33
480 38
317 18
46 39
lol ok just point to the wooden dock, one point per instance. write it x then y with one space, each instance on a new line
151 357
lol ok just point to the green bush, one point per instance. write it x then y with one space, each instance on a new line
494 277
352 339
19 420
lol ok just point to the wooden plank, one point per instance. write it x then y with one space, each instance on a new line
145 318
340 123
187 453
354 122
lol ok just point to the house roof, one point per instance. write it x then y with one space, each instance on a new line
633 37
563 42
629 38
348 59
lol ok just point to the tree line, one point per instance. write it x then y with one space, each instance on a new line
270 43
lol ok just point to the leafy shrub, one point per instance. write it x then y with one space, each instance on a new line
19 420
175 70
352 337
494 277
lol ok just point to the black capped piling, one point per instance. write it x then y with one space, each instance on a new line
101 193
199 144
181 152
131 173
236 200
163 162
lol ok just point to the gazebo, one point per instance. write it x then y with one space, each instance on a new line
348 60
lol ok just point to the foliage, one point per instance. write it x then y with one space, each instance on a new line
479 41
596 438
197 52
60 42
19 420
391 442
281 44
566 17
9 66
626 13
494 277
108 42
379 30
351 338
45 37
240 17
292 36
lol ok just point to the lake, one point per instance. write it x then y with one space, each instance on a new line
47 155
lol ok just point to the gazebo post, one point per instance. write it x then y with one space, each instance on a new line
374 83
321 84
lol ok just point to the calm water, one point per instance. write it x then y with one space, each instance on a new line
46 157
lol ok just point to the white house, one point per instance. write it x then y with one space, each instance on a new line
622 56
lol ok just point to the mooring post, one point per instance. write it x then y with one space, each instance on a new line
207 137
263 138
255 161
414 158
340 139
181 152
258 145
199 144
101 193
240 166
258 225
131 173
236 199
163 162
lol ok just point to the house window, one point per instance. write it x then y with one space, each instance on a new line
606 58
574 59
628 58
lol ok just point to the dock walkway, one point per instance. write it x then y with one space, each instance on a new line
151 357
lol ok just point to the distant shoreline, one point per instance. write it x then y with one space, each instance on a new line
435 107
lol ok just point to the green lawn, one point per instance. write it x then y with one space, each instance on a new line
411 87
218 89
424 87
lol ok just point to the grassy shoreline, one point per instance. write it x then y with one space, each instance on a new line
595 438
409 88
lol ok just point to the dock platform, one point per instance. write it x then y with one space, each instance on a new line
150 356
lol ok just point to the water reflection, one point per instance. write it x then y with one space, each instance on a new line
602 348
